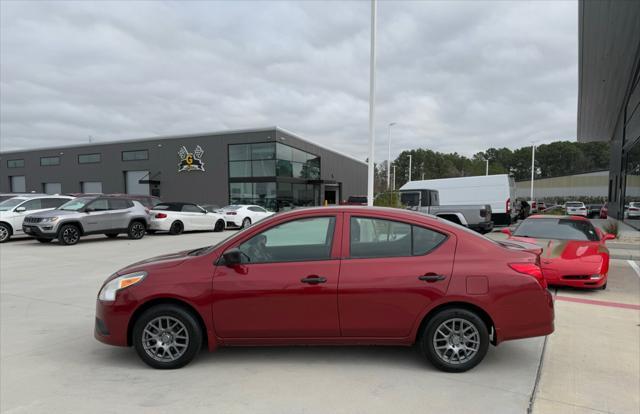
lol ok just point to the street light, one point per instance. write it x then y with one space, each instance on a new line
409 167
389 158
372 104
533 161
486 170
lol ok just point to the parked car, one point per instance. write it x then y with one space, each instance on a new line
147 201
355 200
83 216
244 215
405 278
537 206
497 190
178 217
213 208
574 252
576 208
14 210
604 211
593 210
476 217
633 211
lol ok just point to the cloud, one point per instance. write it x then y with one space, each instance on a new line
455 76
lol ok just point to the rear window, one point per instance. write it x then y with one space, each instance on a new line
557 228
574 204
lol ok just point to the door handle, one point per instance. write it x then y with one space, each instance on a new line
431 277
313 279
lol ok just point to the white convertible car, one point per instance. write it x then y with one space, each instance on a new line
178 217
243 215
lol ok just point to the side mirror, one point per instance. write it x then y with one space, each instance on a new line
232 257
506 231
20 209
609 236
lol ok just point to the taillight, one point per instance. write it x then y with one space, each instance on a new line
530 269
483 212
508 205
161 215
231 213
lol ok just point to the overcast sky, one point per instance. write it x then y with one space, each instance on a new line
456 76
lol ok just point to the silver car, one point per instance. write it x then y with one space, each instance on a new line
88 215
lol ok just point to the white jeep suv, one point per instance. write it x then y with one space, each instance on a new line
14 210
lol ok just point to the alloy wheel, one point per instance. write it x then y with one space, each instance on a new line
4 233
165 339
70 235
456 341
137 230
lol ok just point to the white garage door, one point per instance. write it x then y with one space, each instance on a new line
91 187
18 184
133 185
52 188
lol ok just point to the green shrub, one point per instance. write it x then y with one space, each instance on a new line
611 227
388 199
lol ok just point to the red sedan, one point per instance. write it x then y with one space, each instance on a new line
574 251
332 276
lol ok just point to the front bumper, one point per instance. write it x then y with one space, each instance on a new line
42 231
586 283
112 322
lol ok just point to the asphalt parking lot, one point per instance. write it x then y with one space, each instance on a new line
50 361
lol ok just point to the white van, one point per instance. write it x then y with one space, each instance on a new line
498 190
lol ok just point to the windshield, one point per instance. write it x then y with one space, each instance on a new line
75 204
557 228
7 205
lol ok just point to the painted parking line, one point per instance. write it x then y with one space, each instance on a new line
598 302
634 266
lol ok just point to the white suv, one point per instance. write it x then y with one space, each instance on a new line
14 210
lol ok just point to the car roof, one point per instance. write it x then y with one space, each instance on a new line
399 212
547 216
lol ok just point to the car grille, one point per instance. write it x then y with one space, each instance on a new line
32 220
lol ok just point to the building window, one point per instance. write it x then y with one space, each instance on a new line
91 187
262 194
239 169
263 168
135 155
15 163
17 184
263 151
89 158
296 163
631 190
49 161
52 188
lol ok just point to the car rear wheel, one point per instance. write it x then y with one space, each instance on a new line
5 233
167 337
136 230
176 228
246 223
455 340
41 240
219 226
69 234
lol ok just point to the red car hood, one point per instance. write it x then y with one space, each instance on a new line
570 257
159 262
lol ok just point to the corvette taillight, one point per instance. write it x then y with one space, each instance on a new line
161 215
530 269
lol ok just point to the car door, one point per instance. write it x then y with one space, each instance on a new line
192 215
96 216
391 272
286 286
22 210
119 213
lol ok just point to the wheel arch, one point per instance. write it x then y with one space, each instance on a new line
75 223
11 231
457 218
138 220
167 301
482 314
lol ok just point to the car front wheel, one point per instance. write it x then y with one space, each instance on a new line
455 340
69 234
167 336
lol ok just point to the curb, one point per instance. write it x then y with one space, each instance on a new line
624 257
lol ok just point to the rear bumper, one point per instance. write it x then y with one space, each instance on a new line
159 225
484 227
536 320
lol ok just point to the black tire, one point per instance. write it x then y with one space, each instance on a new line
246 223
604 287
156 358
176 228
136 230
41 240
68 235
437 324
111 235
219 226
5 232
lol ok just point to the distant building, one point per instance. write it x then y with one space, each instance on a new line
269 166
591 184
609 94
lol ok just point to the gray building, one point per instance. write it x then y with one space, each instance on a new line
270 167
609 94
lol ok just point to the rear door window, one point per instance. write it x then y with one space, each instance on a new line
118 204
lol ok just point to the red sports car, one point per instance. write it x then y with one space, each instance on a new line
574 251
332 276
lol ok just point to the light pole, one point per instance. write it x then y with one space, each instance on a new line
486 170
372 104
394 177
533 161
409 167
389 157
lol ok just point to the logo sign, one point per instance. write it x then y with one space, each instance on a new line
191 161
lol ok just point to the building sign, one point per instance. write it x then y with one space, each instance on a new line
191 161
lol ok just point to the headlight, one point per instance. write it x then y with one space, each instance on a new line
49 219
108 291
